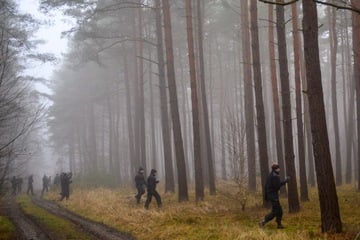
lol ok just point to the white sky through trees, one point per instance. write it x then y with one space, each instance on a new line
50 32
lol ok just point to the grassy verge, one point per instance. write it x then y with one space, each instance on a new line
7 229
59 228
218 217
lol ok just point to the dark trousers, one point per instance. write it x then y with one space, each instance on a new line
141 192
276 212
150 194
30 190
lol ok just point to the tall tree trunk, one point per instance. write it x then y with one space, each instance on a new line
260 112
92 138
117 170
179 148
356 50
103 133
152 115
166 136
136 128
185 119
204 101
299 119
129 117
275 95
141 105
350 132
199 185
110 130
329 206
221 114
248 95
310 155
212 132
333 63
351 104
293 197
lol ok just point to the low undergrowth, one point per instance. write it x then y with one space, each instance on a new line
218 217
58 227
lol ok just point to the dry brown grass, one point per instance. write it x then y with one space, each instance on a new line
218 217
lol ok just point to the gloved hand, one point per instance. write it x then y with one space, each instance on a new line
287 179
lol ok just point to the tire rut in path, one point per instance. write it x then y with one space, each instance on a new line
27 228
100 231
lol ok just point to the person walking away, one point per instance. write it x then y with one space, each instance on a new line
151 189
45 182
65 180
272 187
140 184
30 185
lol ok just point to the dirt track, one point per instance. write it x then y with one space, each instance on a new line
98 230
28 228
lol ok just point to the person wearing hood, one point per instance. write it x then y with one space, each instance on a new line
151 189
272 187
140 184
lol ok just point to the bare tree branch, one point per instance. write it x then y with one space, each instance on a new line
351 8
345 7
279 3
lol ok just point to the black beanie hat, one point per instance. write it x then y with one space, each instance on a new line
275 166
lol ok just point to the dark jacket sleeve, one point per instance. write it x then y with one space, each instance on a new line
151 183
272 187
276 183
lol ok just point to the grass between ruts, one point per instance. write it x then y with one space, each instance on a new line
217 217
59 228
7 229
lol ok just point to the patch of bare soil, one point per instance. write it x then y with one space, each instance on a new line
100 231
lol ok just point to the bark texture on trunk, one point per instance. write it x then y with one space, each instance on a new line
199 184
260 112
329 206
293 197
178 141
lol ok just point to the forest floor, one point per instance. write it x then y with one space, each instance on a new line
217 217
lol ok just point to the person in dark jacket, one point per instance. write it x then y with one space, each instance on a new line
151 190
140 184
45 182
272 187
65 180
30 188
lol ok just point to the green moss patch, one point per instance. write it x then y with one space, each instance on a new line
7 229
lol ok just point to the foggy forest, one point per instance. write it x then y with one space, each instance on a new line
230 113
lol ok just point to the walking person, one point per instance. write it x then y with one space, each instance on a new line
65 180
151 190
140 184
30 188
272 187
45 182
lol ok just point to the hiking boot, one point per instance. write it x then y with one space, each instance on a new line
262 224
280 226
